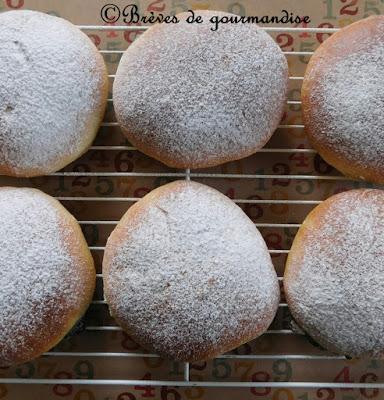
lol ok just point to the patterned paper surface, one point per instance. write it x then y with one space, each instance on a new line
324 13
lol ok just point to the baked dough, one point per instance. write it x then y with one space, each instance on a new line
47 276
342 99
53 92
192 98
334 276
187 274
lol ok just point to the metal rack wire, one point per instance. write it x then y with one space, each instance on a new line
187 174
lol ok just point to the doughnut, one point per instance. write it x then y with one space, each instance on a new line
47 276
334 276
187 274
53 92
191 97
342 100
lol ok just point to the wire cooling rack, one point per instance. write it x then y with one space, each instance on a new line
282 332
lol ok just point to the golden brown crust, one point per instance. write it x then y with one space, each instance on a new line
312 221
61 314
340 45
198 355
184 348
18 136
150 150
134 217
75 243
92 128
332 278
209 106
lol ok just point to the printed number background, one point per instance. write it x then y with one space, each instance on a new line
72 190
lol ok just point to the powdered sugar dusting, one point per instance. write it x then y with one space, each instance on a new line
191 97
349 98
188 274
334 281
39 286
50 90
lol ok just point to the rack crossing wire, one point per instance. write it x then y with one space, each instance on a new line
188 175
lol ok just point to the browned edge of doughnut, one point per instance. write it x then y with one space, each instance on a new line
153 152
312 222
118 236
77 246
349 36
93 123
148 149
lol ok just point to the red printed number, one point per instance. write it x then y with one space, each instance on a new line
14 3
349 8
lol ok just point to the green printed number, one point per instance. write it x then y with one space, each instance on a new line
221 369
84 369
282 370
306 46
25 371
370 8
329 8
236 8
